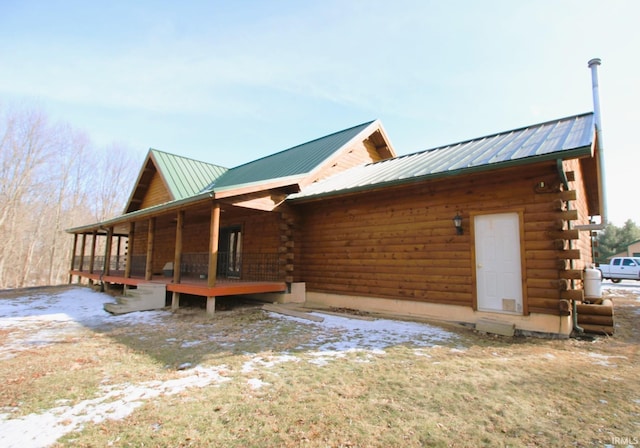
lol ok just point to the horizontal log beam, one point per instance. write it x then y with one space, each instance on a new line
572 234
572 274
572 294
569 215
599 310
568 195
571 254
598 329
595 320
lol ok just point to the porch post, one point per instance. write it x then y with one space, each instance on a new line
107 256
132 234
214 234
151 233
92 257
73 256
211 305
127 263
177 260
118 252
82 250
107 252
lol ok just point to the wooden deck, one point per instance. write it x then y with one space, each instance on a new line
194 286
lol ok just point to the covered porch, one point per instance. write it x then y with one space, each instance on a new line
190 251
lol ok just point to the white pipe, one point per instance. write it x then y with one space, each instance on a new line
593 65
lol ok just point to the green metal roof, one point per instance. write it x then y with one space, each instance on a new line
185 177
295 161
563 138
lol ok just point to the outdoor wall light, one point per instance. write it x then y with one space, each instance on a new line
457 222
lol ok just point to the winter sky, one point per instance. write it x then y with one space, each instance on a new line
230 81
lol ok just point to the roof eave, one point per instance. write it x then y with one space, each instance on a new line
254 187
139 178
575 153
191 200
144 213
360 136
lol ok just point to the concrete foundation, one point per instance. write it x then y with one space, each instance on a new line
296 294
534 323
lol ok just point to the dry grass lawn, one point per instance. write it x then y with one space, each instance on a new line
276 390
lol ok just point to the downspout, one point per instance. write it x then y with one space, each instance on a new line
565 183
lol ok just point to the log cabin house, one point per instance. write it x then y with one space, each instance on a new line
342 221
494 229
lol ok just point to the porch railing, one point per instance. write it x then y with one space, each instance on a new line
234 266
138 265
231 266
116 263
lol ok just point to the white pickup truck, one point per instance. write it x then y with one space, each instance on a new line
621 268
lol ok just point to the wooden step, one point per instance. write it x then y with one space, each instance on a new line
148 296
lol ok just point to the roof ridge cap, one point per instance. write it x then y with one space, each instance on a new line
367 123
154 150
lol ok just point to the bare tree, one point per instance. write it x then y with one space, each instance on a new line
68 192
52 178
24 150
117 169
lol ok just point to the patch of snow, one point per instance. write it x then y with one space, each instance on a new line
266 362
342 333
255 383
616 289
42 318
80 305
116 402
421 352
603 360
323 358
45 317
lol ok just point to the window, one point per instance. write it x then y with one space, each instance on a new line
230 252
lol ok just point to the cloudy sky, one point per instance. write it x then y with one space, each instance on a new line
231 81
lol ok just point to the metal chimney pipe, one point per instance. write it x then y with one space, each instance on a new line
593 65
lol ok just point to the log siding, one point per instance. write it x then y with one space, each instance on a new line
400 243
157 192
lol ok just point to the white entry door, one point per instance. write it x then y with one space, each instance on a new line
498 263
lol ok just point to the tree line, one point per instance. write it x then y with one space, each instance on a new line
614 240
52 177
